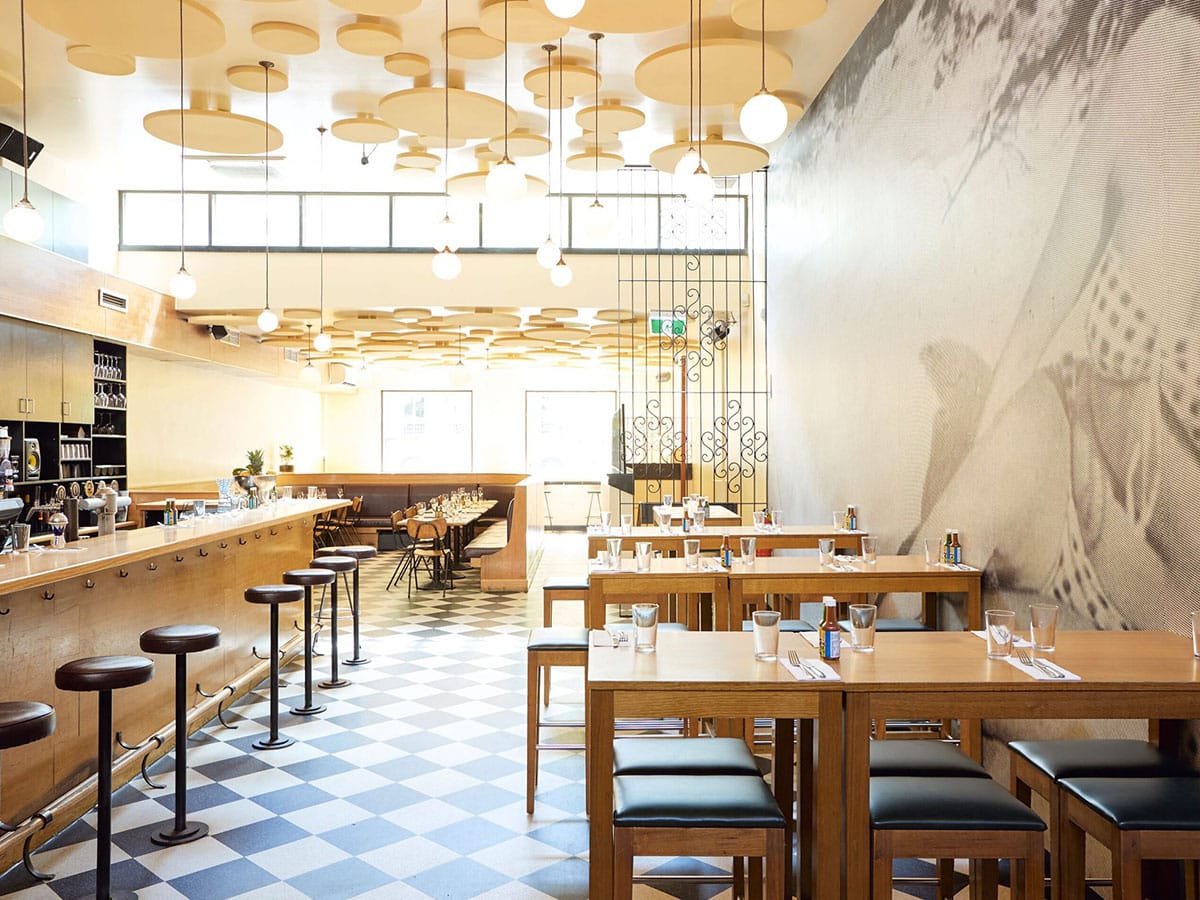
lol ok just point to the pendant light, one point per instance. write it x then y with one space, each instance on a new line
700 188
564 9
23 222
182 285
309 373
505 183
560 272
763 117
446 265
267 320
598 221
687 163
459 374
548 253
323 341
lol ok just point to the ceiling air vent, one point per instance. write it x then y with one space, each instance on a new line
118 302
290 355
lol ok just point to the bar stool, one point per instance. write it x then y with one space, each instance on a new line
307 578
562 589
180 640
23 722
272 595
358 552
548 647
104 674
593 503
336 564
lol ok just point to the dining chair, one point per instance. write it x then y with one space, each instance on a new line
399 519
431 548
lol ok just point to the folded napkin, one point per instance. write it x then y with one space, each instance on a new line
711 565
601 638
958 567
598 530
801 675
1036 673
1017 641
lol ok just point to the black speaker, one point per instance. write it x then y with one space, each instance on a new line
11 145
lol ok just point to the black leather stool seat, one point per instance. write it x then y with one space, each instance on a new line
786 625
356 551
678 801
683 756
1099 758
948 804
335 563
180 639
891 625
309 576
560 638
274 593
927 759
103 673
1142 804
566 583
24 721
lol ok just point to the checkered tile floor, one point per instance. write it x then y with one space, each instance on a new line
410 785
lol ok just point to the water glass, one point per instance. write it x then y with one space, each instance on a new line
862 626
286 492
668 499
825 551
199 507
662 515
1196 634
760 520
21 537
839 520
766 634
642 554
698 518
870 546
1043 621
777 520
605 521
691 553
1000 624
645 627
626 523
602 559
749 550
614 552
933 549
312 492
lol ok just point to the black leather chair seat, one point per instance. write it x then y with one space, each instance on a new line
678 801
355 551
309 577
1099 758
948 804
928 759
24 721
558 638
787 625
566 583
274 593
335 563
1142 804
891 625
682 756
180 639
103 673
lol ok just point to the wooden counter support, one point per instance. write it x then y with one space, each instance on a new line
95 598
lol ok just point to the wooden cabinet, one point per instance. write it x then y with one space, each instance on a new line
78 386
43 374
12 369
46 373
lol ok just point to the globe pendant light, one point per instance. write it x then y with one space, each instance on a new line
700 188
446 265
323 341
598 222
182 285
309 374
548 253
687 163
23 222
561 274
764 117
564 9
505 183
267 320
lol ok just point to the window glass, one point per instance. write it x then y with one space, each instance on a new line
520 225
152 219
238 220
426 431
415 217
351 220
568 434
635 223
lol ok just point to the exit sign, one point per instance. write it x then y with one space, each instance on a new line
667 325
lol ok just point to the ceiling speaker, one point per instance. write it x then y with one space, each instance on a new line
11 145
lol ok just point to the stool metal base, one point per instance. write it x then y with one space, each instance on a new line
357 661
278 744
341 682
122 895
192 831
306 710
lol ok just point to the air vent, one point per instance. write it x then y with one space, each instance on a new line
118 302
290 355
232 337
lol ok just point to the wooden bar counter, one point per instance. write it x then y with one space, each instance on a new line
95 598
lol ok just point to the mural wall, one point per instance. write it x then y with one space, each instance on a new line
985 298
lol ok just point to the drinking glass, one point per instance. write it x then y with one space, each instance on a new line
605 521
862 626
21 537
1000 623
312 492
691 553
749 550
777 520
932 549
1196 634
760 520
825 551
286 492
870 546
602 559
766 634
614 551
1043 621
645 627
698 518
626 523
667 500
839 520
199 507
662 515
642 554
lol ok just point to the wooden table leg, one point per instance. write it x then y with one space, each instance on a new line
600 791
805 809
858 817
783 753
830 807
974 605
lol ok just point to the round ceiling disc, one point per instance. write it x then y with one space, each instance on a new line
410 312
472 115
135 29
521 143
614 315
526 24
98 60
383 323
439 142
471 186
378 7
559 312
732 72
363 129
632 16
471 43
610 117
285 37
418 159
10 90
577 81
781 15
492 319
250 78
213 131
543 101
721 157
369 36
413 65
590 161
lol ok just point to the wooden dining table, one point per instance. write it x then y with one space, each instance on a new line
665 577
789 537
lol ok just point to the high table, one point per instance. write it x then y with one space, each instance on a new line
888 574
665 576
790 537
716 674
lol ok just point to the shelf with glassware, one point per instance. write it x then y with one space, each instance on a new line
109 455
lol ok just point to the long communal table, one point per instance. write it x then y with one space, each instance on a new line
789 537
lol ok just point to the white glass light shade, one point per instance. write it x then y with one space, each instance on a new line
444 235
684 169
505 183
460 375
598 221
309 374
323 342
267 320
561 274
700 187
183 285
446 265
564 9
763 118
548 254
23 222
364 374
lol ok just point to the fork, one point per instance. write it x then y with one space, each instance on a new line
1027 660
813 671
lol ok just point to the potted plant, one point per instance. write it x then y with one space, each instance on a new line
285 458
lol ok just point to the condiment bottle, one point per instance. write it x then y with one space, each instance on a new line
726 551
829 635
948 547
955 548
851 518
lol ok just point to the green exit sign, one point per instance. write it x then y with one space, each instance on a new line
667 325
